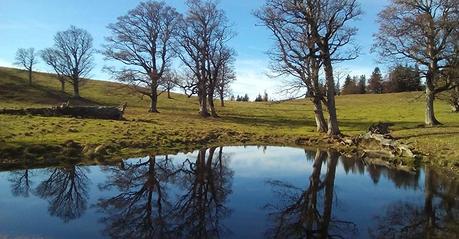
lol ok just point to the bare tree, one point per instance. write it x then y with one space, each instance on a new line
26 58
222 56
317 35
421 32
72 56
295 53
51 57
226 77
170 80
142 40
330 30
203 50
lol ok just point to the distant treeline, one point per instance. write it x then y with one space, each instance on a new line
399 79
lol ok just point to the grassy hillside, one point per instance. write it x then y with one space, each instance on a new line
178 126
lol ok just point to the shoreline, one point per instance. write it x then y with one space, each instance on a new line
16 153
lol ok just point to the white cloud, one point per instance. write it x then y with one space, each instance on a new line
252 78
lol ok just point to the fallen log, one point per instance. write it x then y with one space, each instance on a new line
378 142
90 112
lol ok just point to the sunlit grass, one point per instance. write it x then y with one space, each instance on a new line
178 125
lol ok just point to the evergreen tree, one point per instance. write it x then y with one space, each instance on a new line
403 78
350 86
375 84
361 86
258 98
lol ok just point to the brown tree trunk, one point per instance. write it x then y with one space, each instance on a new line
30 76
169 93
213 111
63 86
321 123
317 94
76 88
454 101
333 127
203 111
154 77
154 100
222 101
430 119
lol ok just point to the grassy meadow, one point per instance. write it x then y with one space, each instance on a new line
179 127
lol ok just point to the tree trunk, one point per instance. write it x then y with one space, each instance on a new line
154 100
430 119
316 91
203 111
222 101
30 76
454 101
213 111
333 127
169 93
319 116
63 86
76 88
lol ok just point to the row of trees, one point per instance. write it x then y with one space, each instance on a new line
400 79
263 97
146 41
148 38
71 57
312 35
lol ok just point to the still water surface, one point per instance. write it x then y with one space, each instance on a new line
229 192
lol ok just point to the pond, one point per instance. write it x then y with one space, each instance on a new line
229 192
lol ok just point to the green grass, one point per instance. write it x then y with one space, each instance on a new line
179 127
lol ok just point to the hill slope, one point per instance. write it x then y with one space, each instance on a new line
178 125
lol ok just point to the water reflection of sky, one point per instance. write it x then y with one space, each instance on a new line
360 192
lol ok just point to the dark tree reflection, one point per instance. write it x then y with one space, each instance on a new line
207 184
307 213
147 206
437 217
142 209
21 183
66 190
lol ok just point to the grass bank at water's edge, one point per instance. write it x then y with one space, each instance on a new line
178 127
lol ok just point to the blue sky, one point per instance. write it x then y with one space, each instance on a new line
33 23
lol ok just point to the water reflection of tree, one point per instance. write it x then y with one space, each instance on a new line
66 189
207 184
436 218
307 213
21 183
142 209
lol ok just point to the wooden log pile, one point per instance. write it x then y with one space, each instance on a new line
379 143
381 134
91 112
